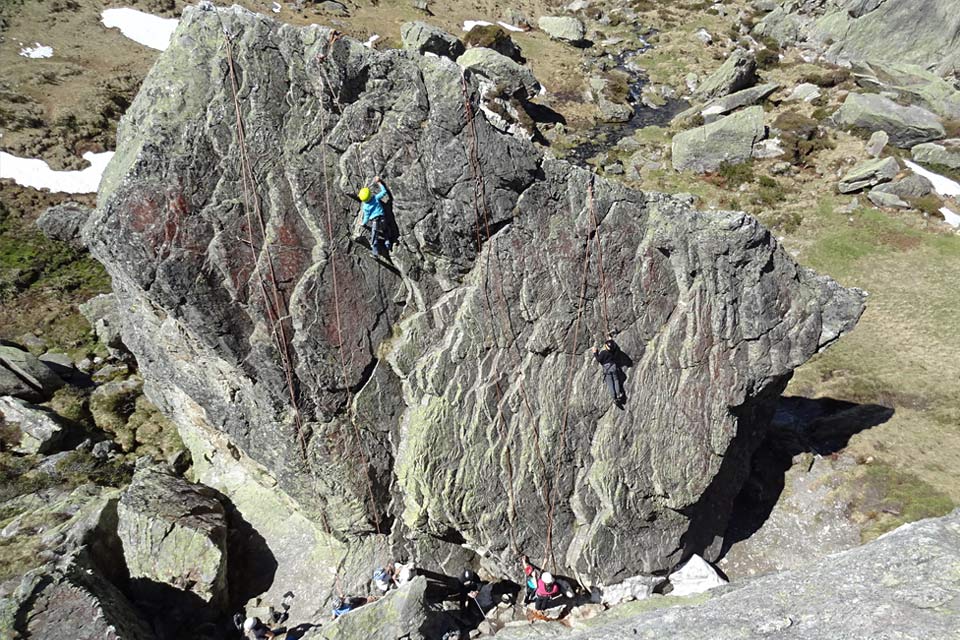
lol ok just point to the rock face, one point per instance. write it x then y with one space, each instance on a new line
566 28
903 585
424 38
40 430
738 72
63 222
906 126
729 140
452 393
173 533
400 614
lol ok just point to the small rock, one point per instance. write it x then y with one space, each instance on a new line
868 174
704 36
781 168
730 103
805 91
425 38
738 72
34 344
769 148
39 430
875 145
696 576
103 450
635 588
584 612
110 372
104 316
565 28
614 169
64 222
886 200
85 365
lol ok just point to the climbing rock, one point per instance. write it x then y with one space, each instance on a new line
635 588
512 78
945 153
695 576
173 533
24 376
729 140
424 38
566 28
739 71
868 174
402 613
727 104
102 314
39 430
63 222
877 142
448 410
906 126
897 586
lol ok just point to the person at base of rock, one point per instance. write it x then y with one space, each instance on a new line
346 604
253 629
372 210
469 587
607 357
385 577
544 588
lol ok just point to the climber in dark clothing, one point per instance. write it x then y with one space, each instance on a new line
607 357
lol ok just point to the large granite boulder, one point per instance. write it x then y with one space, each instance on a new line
425 38
869 174
173 533
906 126
903 585
39 430
729 140
448 397
64 222
24 376
738 72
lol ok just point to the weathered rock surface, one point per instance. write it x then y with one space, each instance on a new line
910 186
738 71
566 28
804 91
633 588
738 100
922 33
104 316
24 376
906 126
877 142
173 533
64 222
40 430
449 406
868 174
425 38
946 153
903 585
911 84
729 140
511 77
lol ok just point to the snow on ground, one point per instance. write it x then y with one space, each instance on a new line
36 51
470 24
510 27
369 43
950 217
29 172
943 186
149 30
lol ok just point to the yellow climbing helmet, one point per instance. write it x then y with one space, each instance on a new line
364 194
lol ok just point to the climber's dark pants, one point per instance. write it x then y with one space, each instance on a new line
376 235
612 379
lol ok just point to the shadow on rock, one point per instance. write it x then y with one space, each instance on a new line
821 426
251 566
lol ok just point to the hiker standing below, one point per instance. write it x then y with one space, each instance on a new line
372 209
545 589
607 357
253 629
385 577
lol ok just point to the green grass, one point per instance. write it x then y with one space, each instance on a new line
890 497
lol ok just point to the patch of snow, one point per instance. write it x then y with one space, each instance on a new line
37 51
509 27
470 24
149 30
950 217
276 7
369 43
941 184
30 172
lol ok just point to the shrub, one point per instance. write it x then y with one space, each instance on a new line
801 136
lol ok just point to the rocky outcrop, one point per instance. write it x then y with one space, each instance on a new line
447 398
900 585
424 38
39 430
565 28
728 104
729 140
64 222
868 174
906 126
24 376
738 72
174 533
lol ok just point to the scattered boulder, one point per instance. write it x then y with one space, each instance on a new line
565 28
512 78
877 142
425 38
704 36
745 98
868 174
493 37
612 107
806 92
946 153
906 126
695 576
886 200
23 375
911 186
173 533
63 222
728 140
333 8
635 588
104 316
39 430
738 72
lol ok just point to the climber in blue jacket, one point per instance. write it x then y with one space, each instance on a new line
372 207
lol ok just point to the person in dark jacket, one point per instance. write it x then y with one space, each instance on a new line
607 357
